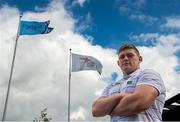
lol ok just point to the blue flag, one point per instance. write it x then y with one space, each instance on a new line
33 28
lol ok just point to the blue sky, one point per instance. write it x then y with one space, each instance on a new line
111 23
25 5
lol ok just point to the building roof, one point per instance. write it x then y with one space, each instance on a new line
172 109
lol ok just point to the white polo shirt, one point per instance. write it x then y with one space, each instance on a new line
128 84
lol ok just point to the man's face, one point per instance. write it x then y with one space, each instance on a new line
129 61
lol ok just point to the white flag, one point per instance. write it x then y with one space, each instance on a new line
82 62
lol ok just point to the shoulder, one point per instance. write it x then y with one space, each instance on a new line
109 86
152 78
149 72
149 76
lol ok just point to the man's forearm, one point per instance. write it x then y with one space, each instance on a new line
104 106
127 106
136 102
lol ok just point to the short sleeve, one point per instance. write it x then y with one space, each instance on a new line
105 91
152 78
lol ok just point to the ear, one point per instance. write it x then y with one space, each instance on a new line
140 58
118 62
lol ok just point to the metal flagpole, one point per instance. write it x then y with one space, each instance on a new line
69 92
10 77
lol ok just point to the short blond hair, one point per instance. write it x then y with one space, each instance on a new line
128 46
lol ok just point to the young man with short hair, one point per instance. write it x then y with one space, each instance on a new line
138 96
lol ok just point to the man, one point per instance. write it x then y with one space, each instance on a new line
138 96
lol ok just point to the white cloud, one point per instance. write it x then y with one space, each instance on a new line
79 2
40 78
172 22
79 114
145 37
149 20
131 6
134 10
84 23
162 58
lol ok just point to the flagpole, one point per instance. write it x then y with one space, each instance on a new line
69 92
10 77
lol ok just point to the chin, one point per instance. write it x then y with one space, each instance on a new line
128 71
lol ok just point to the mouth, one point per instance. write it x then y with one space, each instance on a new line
126 64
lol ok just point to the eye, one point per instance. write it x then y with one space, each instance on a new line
121 57
130 55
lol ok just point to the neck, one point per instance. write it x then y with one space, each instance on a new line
128 73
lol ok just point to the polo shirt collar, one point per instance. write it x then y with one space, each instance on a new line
132 74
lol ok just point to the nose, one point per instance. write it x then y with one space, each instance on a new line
125 57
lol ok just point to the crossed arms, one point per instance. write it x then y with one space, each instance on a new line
125 103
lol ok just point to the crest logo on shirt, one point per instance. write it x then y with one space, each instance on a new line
129 82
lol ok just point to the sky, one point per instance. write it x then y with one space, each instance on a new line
88 27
